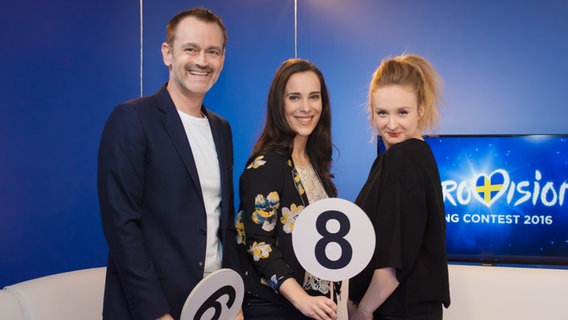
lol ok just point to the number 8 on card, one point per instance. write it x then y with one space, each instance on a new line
333 239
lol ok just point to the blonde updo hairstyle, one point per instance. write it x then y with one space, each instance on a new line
412 71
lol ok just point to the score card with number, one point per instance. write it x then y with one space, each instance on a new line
216 297
333 239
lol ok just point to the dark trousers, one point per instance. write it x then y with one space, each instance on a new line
430 311
255 308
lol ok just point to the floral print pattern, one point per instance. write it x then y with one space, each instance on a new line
265 210
272 197
273 283
260 250
257 163
240 227
296 177
289 217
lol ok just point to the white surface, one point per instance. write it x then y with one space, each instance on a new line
70 295
222 306
478 293
503 293
10 307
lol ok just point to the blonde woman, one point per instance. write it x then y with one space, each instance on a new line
407 277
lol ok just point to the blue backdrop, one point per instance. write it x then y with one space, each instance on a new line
66 64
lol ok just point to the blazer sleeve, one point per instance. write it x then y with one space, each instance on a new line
261 188
121 163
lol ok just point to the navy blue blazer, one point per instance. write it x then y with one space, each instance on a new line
152 208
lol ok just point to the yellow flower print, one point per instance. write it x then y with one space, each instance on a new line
273 199
257 162
289 217
297 182
240 226
260 250
265 210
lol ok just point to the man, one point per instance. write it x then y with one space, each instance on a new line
165 180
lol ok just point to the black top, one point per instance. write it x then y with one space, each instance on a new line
403 198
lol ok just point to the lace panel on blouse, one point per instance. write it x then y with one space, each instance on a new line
314 192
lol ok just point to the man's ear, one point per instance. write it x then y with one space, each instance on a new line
167 54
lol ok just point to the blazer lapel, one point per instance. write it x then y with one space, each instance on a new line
174 127
222 154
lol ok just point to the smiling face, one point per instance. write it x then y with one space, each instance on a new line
303 103
195 56
396 113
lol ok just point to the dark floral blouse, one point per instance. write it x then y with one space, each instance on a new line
271 198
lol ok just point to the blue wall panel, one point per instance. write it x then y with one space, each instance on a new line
64 63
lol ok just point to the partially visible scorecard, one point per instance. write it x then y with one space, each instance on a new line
217 297
333 239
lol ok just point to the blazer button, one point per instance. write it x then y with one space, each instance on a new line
200 265
203 230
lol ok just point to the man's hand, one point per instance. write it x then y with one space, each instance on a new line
166 317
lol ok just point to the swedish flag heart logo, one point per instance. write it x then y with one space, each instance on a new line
489 188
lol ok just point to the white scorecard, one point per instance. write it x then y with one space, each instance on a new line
333 239
217 296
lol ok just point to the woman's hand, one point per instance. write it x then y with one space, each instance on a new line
358 314
319 307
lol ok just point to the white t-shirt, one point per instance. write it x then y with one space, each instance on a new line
202 145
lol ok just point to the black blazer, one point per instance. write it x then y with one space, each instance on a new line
152 208
272 196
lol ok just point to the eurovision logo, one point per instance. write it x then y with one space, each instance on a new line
487 189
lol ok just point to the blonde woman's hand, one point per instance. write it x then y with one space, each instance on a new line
356 313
